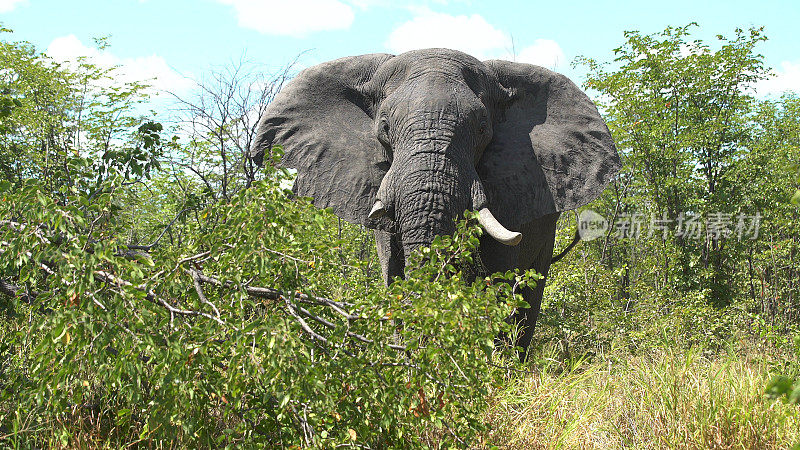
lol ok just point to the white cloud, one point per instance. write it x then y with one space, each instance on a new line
544 52
152 69
292 18
470 34
689 49
786 78
68 49
9 5
366 4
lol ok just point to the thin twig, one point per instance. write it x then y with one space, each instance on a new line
158 239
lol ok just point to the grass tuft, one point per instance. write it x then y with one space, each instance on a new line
666 399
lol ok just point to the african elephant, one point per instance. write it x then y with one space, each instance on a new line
404 144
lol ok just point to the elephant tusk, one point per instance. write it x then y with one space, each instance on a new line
377 210
496 230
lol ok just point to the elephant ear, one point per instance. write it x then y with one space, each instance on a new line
323 119
550 151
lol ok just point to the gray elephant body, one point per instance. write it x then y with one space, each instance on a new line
405 144
534 251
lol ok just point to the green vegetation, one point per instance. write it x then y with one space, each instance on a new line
664 399
157 290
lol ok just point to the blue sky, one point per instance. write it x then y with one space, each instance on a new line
172 38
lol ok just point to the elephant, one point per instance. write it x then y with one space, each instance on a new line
404 144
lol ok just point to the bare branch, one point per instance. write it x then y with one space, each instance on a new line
12 290
152 297
158 239
295 310
200 293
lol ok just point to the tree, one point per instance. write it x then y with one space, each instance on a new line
679 111
220 123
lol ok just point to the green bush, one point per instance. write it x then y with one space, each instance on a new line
228 339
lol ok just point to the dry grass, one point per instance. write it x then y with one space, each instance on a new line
665 400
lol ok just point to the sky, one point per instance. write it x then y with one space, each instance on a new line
175 41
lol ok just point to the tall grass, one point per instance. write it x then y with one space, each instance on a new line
667 399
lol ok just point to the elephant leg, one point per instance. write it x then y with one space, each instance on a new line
390 254
526 318
535 254
496 257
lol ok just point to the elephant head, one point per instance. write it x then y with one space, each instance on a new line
406 143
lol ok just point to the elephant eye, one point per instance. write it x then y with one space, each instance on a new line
383 137
383 127
483 127
382 131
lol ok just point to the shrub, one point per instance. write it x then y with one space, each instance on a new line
233 338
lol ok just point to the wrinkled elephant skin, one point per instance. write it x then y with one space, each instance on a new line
404 144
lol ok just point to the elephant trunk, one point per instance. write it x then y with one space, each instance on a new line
429 201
